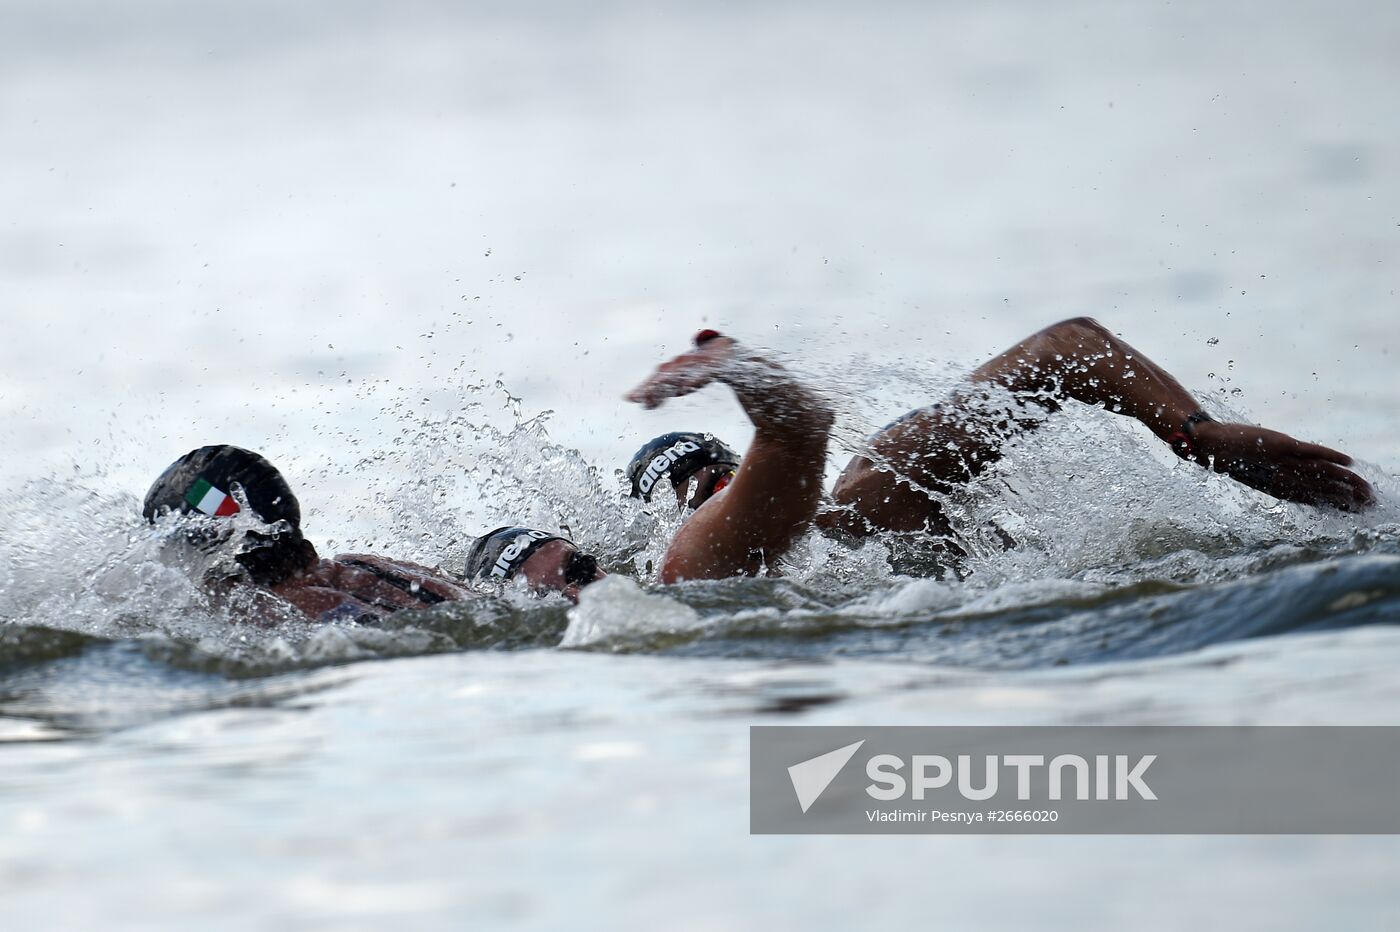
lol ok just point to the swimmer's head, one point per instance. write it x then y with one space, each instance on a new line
677 458
547 562
205 481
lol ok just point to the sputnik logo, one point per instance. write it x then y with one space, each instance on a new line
811 777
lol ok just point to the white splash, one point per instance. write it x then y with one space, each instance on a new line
615 612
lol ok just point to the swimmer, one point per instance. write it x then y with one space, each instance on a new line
281 561
695 466
931 451
773 497
547 562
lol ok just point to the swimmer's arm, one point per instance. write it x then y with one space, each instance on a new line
945 445
1083 360
317 597
430 579
776 490
1080 359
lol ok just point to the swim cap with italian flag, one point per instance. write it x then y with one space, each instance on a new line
203 482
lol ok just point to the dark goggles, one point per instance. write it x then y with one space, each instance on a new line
580 569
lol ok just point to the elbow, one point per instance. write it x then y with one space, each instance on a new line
817 412
1077 328
1071 337
806 418
677 568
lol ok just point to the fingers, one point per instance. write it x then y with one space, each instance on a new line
1353 492
662 385
641 396
1345 496
1317 451
1365 495
1316 480
1326 484
1280 444
1339 487
688 372
1279 465
1332 493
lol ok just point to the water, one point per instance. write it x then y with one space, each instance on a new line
417 255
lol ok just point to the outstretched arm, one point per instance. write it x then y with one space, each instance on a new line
939 447
775 493
1081 359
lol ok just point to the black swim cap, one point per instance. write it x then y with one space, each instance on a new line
676 456
203 481
498 554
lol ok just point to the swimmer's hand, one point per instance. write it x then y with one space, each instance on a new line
775 493
1278 465
689 372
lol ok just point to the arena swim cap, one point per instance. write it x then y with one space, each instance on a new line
498 554
203 481
676 456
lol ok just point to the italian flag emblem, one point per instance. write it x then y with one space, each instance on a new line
203 497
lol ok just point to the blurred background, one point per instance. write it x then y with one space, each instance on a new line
310 228
255 222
